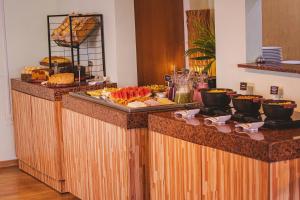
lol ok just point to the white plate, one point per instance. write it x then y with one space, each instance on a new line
187 114
221 120
291 62
250 127
271 48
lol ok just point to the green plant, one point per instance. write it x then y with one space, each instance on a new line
204 45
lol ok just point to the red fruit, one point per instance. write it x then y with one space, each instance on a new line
141 93
124 94
116 95
146 91
131 94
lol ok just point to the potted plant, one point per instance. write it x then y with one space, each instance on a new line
204 49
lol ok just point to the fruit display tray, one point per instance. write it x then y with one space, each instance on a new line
111 104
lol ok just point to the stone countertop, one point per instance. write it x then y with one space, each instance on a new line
266 145
52 94
110 115
127 120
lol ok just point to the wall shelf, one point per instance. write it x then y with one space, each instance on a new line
295 69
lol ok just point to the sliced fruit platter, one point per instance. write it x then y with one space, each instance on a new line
134 97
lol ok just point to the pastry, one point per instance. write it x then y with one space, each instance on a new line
59 60
29 69
81 28
41 74
61 79
27 73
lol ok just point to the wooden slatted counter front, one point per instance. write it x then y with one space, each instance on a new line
204 162
105 151
38 130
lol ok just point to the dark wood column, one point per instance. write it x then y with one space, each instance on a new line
159 38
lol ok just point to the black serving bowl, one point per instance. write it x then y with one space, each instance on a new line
245 105
216 99
273 109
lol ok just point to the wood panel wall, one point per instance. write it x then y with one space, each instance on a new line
183 170
104 161
281 20
194 18
159 38
38 138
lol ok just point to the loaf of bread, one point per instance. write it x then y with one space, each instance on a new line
61 79
81 28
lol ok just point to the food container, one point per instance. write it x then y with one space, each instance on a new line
183 94
279 109
217 97
248 104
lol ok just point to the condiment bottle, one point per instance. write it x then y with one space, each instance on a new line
171 91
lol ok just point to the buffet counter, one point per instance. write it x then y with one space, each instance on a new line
105 151
38 129
220 162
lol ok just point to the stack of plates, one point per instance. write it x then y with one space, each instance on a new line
272 54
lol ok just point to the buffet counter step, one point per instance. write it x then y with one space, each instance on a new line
204 162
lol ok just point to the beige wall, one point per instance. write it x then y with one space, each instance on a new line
26 31
7 151
201 4
281 20
119 32
23 41
231 38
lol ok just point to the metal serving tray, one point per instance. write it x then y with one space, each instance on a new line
83 95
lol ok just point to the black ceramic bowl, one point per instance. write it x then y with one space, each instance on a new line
216 99
246 105
273 109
